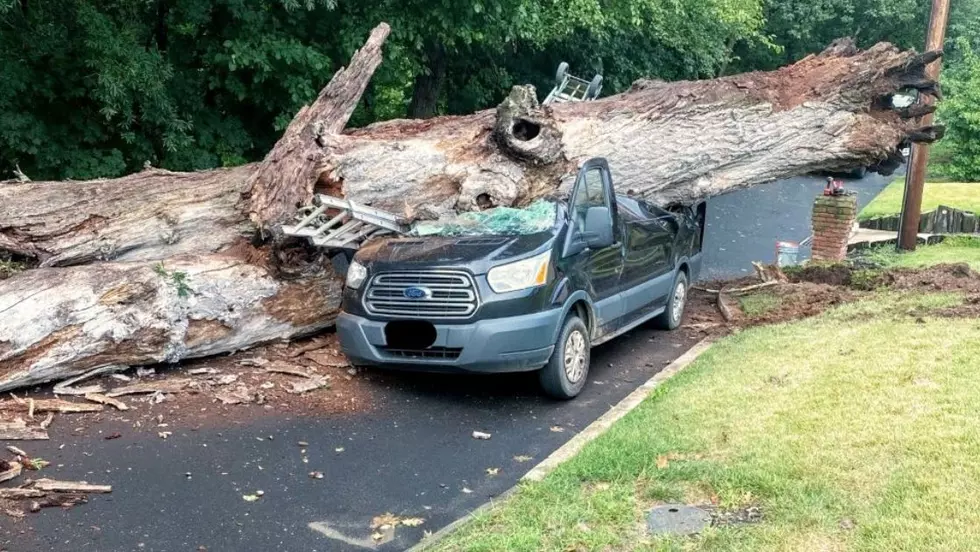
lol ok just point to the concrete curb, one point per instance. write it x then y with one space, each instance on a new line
577 443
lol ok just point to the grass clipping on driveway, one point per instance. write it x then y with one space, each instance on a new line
855 430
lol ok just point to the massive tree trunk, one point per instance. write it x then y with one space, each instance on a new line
671 142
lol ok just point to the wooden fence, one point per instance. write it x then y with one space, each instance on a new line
944 220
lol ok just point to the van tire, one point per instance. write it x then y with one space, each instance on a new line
573 341
672 317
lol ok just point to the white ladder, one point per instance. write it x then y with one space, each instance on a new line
349 228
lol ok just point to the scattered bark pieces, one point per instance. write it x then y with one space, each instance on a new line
201 371
55 486
162 386
102 399
327 358
481 435
239 395
723 307
20 493
111 436
47 420
143 372
58 501
67 387
256 361
310 384
16 451
226 379
10 470
18 430
49 405
314 345
281 368
16 514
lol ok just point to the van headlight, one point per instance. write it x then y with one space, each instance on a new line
356 273
522 274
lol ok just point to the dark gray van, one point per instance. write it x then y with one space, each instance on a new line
531 297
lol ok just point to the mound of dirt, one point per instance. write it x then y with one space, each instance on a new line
944 277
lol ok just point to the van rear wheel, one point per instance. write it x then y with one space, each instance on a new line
671 318
565 374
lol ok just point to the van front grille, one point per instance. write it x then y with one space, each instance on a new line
441 353
427 295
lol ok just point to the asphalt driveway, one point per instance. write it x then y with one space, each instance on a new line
412 455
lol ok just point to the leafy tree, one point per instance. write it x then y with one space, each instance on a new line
959 152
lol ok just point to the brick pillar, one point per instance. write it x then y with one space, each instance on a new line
833 217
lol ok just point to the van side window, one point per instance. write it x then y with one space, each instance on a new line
590 194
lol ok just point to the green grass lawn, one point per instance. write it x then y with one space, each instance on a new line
844 439
954 249
965 196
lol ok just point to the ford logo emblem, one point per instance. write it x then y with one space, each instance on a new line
417 293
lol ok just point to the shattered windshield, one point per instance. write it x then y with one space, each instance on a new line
499 221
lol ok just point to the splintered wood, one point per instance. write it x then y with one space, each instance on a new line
18 430
48 405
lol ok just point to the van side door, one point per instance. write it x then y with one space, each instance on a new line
595 269
649 242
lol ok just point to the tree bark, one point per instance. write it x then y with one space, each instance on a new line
57 323
670 142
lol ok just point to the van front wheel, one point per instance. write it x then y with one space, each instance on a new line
565 374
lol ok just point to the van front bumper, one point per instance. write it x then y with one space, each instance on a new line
512 344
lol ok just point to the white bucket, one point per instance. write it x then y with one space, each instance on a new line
787 253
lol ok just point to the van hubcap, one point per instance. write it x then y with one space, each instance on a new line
575 356
680 296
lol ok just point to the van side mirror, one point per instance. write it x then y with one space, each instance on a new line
598 231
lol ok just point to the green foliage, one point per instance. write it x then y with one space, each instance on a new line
797 28
176 278
960 112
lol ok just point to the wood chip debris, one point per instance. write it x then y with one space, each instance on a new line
48 405
18 430
314 382
12 471
327 358
256 361
240 394
279 368
55 486
102 399
163 386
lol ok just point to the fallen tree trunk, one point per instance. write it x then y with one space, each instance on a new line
56 323
671 142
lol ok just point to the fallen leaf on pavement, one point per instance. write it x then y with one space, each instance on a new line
523 458
557 429
481 435
412 522
385 519
250 498
467 490
316 475
493 471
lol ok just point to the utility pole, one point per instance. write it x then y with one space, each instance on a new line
915 177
